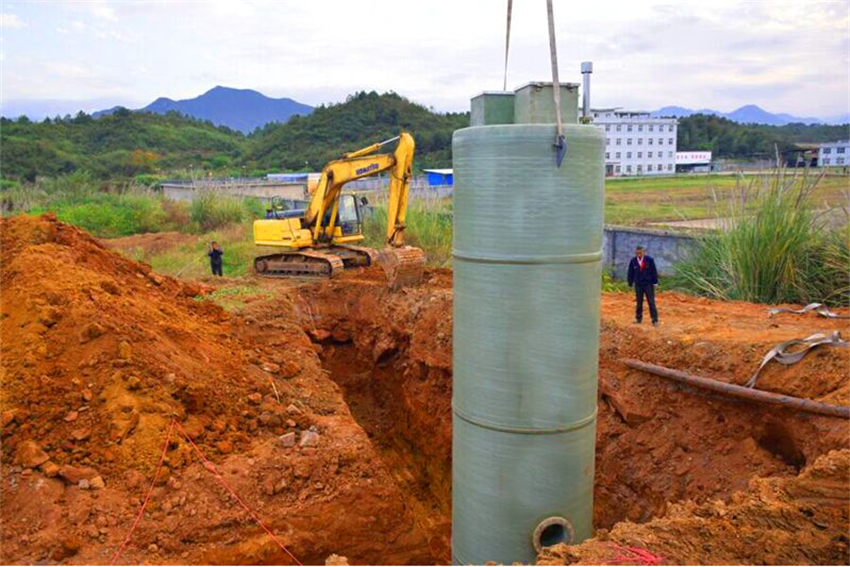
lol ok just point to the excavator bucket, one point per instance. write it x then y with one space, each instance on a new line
404 265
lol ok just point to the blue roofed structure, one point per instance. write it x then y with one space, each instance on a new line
438 177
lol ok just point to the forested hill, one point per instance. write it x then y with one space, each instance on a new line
127 144
363 119
122 144
729 139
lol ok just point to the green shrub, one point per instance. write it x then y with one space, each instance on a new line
211 210
149 180
429 226
773 247
609 284
77 186
255 208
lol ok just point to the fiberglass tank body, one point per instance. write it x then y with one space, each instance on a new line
527 273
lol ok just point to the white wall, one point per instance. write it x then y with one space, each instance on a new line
834 154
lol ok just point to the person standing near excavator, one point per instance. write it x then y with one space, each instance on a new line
643 275
215 253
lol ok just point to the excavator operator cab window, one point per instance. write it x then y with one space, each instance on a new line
349 215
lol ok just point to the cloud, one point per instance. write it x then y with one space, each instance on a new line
647 53
11 21
103 11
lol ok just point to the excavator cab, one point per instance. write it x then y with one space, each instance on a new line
349 220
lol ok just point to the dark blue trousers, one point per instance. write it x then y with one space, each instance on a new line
647 290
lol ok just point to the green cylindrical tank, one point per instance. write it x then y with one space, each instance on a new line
527 272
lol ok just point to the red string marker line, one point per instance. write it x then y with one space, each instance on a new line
211 467
147 497
635 554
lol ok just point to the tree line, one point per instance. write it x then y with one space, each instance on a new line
729 139
128 144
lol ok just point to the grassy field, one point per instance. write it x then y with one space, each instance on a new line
110 211
644 200
633 201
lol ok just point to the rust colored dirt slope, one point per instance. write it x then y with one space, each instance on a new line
100 354
800 520
327 407
658 443
391 354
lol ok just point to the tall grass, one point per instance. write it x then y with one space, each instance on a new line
109 211
773 246
212 210
190 260
429 226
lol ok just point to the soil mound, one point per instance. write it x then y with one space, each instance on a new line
100 354
99 351
800 520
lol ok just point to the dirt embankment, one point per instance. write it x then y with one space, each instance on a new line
797 520
658 444
391 355
100 354
327 407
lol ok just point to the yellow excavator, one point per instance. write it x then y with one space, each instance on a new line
320 240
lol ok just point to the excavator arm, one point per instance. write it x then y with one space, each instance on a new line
399 189
357 165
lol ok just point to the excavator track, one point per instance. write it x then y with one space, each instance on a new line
403 266
357 255
298 263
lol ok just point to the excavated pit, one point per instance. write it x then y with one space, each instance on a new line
414 456
657 444
327 407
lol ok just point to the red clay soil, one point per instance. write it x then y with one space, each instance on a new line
658 443
800 520
99 354
391 354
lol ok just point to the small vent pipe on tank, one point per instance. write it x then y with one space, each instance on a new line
586 71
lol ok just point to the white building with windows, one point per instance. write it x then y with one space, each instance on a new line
636 143
833 154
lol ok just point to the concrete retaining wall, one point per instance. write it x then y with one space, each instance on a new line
263 190
666 247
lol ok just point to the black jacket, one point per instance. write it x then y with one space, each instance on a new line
215 256
648 275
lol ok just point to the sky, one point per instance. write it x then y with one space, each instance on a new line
789 56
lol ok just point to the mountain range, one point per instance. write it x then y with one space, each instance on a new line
245 110
752 114
239 109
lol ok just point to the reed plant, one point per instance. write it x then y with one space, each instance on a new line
774 245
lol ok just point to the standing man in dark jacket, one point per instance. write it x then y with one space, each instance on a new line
215 253
644 276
